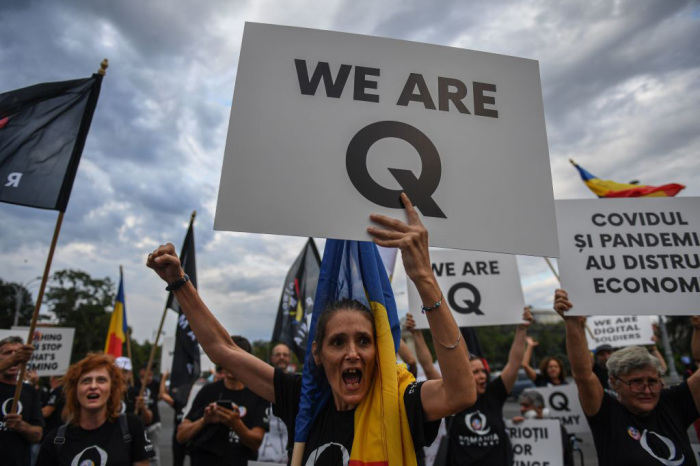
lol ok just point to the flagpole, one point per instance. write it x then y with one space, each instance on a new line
128 334
551 267
35 315
160 329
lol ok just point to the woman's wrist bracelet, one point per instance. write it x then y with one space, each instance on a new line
425 309
451 347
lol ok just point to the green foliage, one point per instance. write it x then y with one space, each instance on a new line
261 350
496 342
9 292
140 352
84 303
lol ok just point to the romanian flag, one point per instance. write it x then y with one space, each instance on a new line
352 269
607 188
116 335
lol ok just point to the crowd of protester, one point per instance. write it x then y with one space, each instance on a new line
89 413
99 413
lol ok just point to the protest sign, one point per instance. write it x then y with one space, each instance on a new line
53 348
328 127
563 404
168 350
536 442
630 256
166 354
619 331
696 450
480 288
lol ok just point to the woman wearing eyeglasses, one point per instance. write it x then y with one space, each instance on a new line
645 424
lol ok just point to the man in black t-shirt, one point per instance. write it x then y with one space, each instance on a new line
276 443
53 408
150 402
601 355
226 423
17 431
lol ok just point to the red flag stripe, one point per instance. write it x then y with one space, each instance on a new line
3 122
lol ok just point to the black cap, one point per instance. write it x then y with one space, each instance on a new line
603 347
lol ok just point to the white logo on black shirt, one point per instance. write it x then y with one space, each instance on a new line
311 461
91 456
122 410
670 461
476 422
7 407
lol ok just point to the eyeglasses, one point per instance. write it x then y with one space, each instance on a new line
639 385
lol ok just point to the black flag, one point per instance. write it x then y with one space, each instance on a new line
297 301
186 364
42 134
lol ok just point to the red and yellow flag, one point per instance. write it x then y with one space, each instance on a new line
607 188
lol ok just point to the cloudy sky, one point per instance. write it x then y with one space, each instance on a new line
620 83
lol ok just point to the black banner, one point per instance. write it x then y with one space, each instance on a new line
297 300
42 134
186 363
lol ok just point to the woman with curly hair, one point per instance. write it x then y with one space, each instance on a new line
552 371
95 430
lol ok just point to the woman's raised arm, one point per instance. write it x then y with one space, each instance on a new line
457 390
215 340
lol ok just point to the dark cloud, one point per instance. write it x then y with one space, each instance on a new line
619 84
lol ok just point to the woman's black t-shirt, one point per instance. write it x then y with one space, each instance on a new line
478 434
104 445
331 436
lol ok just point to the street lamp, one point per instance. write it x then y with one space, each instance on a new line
18 296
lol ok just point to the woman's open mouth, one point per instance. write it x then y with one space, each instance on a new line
93 396
352 378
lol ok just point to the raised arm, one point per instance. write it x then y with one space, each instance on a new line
530 344
425 359
515 358
163 392
21 356
215 340
456 390
694 380
590 391
654 350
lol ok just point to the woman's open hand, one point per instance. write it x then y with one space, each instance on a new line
410 238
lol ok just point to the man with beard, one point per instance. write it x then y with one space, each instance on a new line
25 427
276 444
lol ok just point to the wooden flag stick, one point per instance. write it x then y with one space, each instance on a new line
35 316
155 343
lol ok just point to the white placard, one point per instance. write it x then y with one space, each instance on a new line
536 442
480 288
563 404
168 350
53 348
308 155
619 331
630 256
166 354
696 450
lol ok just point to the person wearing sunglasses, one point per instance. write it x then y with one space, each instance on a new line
643 423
